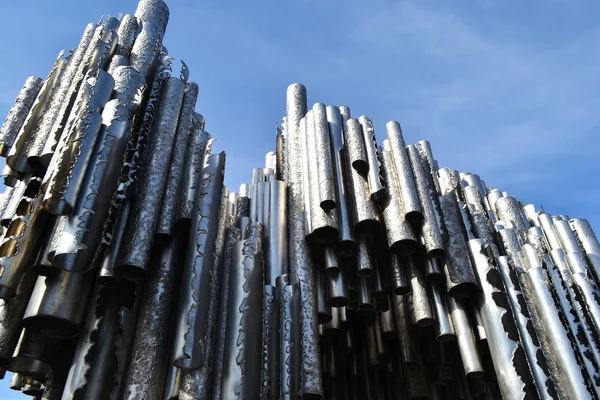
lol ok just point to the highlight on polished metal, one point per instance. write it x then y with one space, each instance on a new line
340 266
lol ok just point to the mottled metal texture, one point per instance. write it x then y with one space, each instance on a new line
270 345
285 293
411 207
46 136
400 235
11 314
321 154
408 352
509 212
443 321
276 245
195 384
588 241
558 348
460 277
28 187
232 235
376 182
168 213
321 224
243 350
137 153
431 229
81 237
18 113
115 62
30 139
143 219
196 303
466 340
150 349
152 16
356 152
584 286
300 264
419 304
58 304
127 32
527 333
67 180
364 258
507 353
480 222
346 244
107 275
96 57
191 177
588 351
20 241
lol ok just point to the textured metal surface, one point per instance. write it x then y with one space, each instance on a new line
400 235
340 270
18 113
168 213
143 219
411 208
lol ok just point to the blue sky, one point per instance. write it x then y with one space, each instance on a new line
505 89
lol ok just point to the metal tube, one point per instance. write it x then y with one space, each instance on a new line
400 235
197 300
411 208
376 185
443 321
243 349
430 229
589 243
508 211
143 219
321 154
299 258
548 227
323 308
58 304
168 213
466 340
460 277
400 282
421 311
365 213
569 378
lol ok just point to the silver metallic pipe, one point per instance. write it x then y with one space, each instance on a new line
537 363
152 16
323 221
285 294
243 349
322 153
479 218
400 236
143 218
443 321
365 293
364 258
338 294
67 180
431 229
58 304
346 244
411 207
81 237
408 352
33 355
506 350
531 214
323 309
299 258
276 246
150 348
548 226
365 213
400 283
197 301
271 160
560 355
460 277
584 286
168 213
18 113
508 210
589 243
194 163
232 235
376 184
419 301
466 340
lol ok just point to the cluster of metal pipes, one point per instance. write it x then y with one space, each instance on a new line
346 269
